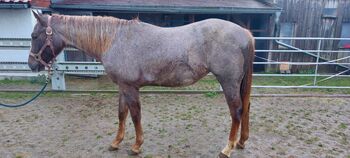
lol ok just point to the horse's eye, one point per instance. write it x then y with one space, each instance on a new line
34 35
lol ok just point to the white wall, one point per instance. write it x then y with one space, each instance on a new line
15 23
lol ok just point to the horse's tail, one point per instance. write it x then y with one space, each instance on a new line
246 89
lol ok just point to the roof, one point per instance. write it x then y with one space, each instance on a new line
177 6
14 4
15 1
40 3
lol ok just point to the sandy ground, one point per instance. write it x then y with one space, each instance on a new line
175 126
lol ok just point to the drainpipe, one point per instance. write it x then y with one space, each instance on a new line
277 23
275 34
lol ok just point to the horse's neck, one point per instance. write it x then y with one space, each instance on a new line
92 35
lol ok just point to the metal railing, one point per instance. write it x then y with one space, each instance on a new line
94 68
316 53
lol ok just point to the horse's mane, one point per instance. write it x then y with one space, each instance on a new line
92 33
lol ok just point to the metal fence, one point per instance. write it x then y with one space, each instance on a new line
61 68
341 61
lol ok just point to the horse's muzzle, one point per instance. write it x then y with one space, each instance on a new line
34 65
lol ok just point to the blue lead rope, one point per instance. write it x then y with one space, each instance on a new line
30 100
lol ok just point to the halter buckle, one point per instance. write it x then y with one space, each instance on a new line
37 57
49 31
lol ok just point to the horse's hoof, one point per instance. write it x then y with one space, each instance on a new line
134 152
240 146
113 148
221 155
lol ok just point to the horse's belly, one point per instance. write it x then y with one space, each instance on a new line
181 75
175 80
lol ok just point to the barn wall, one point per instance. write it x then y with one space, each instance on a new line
310 21
15 23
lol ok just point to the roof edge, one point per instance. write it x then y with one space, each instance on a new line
14 5
167 9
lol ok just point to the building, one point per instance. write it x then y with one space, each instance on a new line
285 18
257 15
16 25
313 18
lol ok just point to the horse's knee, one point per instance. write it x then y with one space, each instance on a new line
122 115
136 117
135 111
238 113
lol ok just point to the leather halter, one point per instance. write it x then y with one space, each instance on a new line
48 43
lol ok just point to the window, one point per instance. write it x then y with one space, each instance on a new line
329 13
330 9
287 30
76 55
345 33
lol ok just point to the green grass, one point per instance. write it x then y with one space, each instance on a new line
211 94
297 81
32 80
279 81
207 83
15 95
98 137
148 156
343 126
28 95
17 82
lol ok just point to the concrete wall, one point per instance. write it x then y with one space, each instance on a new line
15 23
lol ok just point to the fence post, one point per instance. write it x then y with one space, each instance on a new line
317 60
58 82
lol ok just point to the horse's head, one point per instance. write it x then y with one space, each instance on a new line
46 43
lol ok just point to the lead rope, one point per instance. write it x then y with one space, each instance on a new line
33 98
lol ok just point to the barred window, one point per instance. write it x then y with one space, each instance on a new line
345 33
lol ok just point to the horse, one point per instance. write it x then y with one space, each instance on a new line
136 54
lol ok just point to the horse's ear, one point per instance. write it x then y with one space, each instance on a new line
38 17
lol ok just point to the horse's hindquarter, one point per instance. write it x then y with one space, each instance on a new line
169 56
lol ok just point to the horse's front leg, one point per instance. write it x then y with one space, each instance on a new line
131 96
123 113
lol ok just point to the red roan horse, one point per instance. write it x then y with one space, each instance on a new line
136 54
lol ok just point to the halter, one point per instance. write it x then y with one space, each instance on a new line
48 43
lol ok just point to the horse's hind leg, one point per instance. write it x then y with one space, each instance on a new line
123 113
231 88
